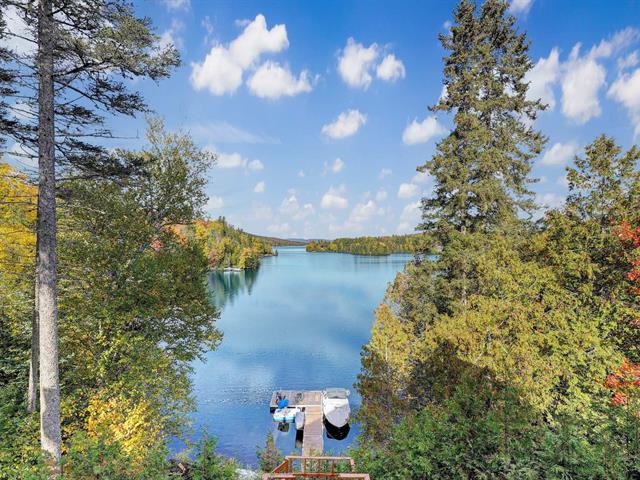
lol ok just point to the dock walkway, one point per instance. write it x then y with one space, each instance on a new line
311 402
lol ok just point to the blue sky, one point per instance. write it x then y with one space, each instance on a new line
318 110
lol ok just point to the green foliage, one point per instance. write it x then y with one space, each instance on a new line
368 245
134 314
269 457
226 246
208 465
134 310
99 458
20 455
490 360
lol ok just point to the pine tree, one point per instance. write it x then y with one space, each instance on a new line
79 53
482 167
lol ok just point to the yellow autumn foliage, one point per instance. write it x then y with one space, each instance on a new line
17 219
125 421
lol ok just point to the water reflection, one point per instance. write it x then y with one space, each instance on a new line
226 286
301 325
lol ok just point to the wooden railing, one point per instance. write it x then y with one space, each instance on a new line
298 467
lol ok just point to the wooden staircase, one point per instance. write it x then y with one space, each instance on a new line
315 468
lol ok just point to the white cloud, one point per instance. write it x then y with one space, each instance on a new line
563 181
279 228
390 69
542 77
381 195
255 165
259 188
170 36
520 6
617 42
273 81
224 132
560 153
626 90
177 4
291 208
581 76
550 200
422 177
262 212
235 160
214 203
231 160
629 61
355 63
335 167
208 26
408 190
222 69
333 199
347 124
365 211
421 132
385 172
409 218
581 83
301 174
17 33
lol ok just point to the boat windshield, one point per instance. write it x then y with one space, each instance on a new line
336 393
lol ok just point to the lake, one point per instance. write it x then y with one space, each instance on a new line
299 322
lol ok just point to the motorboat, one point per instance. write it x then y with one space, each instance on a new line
285 414
299 420
335 406
336 433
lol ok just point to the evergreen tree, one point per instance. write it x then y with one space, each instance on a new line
481 169
72 71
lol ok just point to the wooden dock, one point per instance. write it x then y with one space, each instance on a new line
310 401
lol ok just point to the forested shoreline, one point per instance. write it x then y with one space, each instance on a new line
383 245
513 354
226 246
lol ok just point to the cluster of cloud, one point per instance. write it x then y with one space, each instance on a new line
235 160
173 5
520 6
259 188
223 69
348 123
582 76
291 208
335 167
422 132
409 218
357 64
412 189
335 199
560 153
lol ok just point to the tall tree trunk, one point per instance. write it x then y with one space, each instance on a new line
50 437
32 394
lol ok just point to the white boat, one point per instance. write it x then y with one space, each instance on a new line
299 420
335 406
285 415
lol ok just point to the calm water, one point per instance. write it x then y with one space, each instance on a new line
299 322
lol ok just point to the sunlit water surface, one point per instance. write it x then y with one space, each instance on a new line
299 322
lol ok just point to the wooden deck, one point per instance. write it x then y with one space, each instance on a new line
311 402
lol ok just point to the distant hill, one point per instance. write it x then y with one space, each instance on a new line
281 242
368 245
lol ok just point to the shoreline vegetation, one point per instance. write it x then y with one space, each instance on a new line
225 246
375 246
